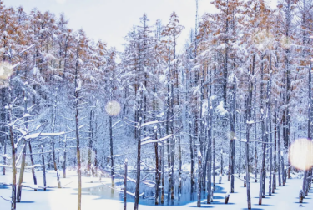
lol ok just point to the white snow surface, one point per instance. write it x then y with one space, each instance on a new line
285 198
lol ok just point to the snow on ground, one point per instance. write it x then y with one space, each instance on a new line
285 198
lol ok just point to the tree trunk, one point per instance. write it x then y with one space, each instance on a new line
172 144
4 120
136 203
163 173
64 158
232 136
43 169
76 95
157 170
248 125
275 153
255 138
125 184
11 136
179 167
199 178
191 149
283 171
278 152
209 151
32 163
269 131
111 154
20 180
305 177
239 168
213 162
263 135
90 142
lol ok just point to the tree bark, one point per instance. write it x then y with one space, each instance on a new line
248 125
43 170
157 170
111 154
232 135
76 95
125 184
199 178
11 136
191 149
209 151
90 142
64 158
136 203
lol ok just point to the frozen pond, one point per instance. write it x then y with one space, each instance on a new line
180 198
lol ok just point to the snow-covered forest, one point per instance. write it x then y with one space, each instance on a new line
153 125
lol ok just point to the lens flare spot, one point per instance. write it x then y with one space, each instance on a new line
6 70
301 154
113 108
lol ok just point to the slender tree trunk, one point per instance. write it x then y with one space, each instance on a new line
96 150
54 113
263 138
239 168
76 95
11 136
278 152
43 169
20 181
4 120
64 158
283 171
163 173
111 154
209 150
275 153
248 125
309 171
90 142
213 162
172 144
179 166
32 163
305 177
269 131
192 182
199 178
157 170
136 203
125 183
4 155
232 136
255 138
221 164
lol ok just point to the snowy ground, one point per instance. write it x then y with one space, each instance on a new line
285 197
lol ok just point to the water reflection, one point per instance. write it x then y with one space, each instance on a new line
181 198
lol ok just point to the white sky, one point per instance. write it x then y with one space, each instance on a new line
111 20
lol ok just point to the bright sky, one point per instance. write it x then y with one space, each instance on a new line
111 20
